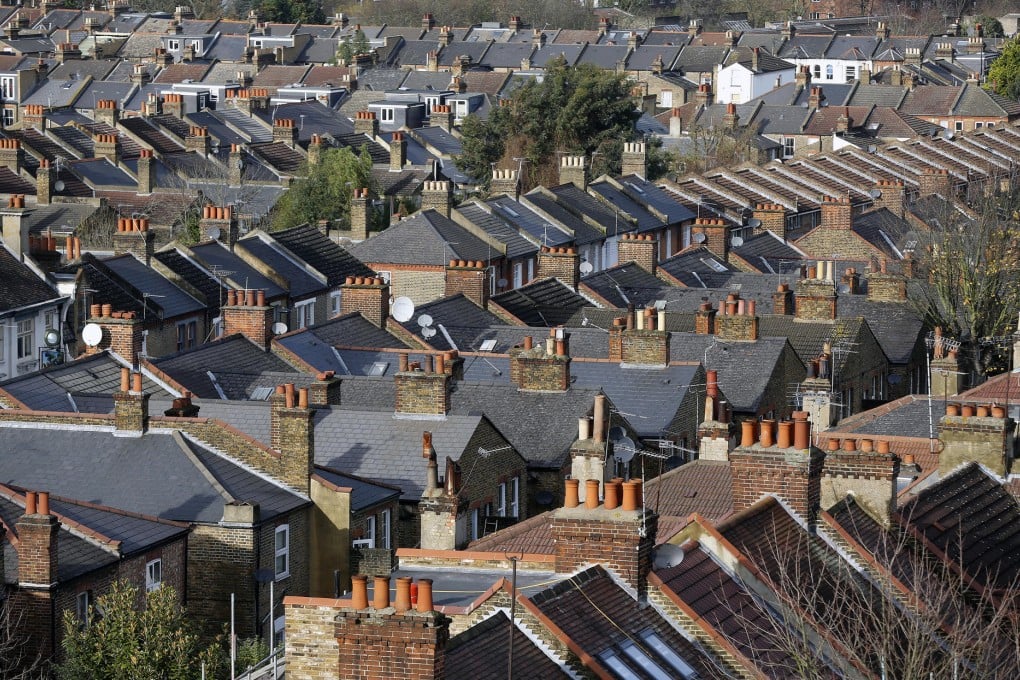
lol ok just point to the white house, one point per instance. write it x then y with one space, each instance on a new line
750 73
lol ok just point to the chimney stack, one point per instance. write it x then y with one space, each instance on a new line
365 123
946 378
38 543
235 165
443 513
219 224
588 453
291 430
981 434
705 319
285 131
504 181
816 294
122 332
782 300
12 156
641 249
437 195
541 367
133 236
422 391
715 431
776 464
731 117
634 160
44 182
130 406
865 468
146 172
837 213
716 235
771 217
574 170
560 262
935 181
369 295
737 320
198 140
886 287
644 342
246 312
361 215
892 196
106 111
468 277
398 152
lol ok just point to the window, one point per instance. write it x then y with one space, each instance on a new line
851 72
26 338
386 114
978 125
334 303
173 45
282 545
475 524
153 575
990 125
370 535
518 274
828 72
817 72
305 313
82 602
386 517
659 646
8 117
501 500
789 144
515 496
666 99
958 125
187 335
7 87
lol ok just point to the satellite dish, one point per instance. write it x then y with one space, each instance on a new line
754 223
624 449
214 233
92 334
279 328
948 134
502 283
737 241
586 268
699 238
403 309
51 338
59 185
616 433
875 193
667 555
425 321
428 332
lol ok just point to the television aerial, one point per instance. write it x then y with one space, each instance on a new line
403 309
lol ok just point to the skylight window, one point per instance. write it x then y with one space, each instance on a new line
635 187
488 345
509 211
378 368
658 645
715 265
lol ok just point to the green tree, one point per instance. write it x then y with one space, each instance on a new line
123 642
325 193
291 11
572 109
1004 74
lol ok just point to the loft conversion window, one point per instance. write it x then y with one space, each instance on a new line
7 87
378 369
187 335
714 265
153 575
828 72
488 345
386 114
26 338
817 72
851 72
334 303
789 145
282 551
175 45
305 313
384 538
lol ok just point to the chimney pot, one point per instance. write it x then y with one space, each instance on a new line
591 493
402 602
424 595
630 495
785 434
612 495
867 446
359 591
849 445
30 506
381 592
967 411
882 446
125 379
136 382
765 438
583 429
571 497
801 430
747 433
44 502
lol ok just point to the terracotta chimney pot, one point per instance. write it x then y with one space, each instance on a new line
424 595
882 446
591 493
570 499
30 505
44 502
952 409
359 591
747 433
402 602
612 493
765 437
630 496
785 434
381 592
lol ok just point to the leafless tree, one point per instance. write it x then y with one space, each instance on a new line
17 660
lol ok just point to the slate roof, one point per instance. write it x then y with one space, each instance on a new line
896 325
85 385
591 609
973 520
239 367
906 416
488 220
768 253
155 475
624 284
529 223
301 283
213 254
426 238
313 344
692 266
483 647
21 287
62 219
544 302
167 296
462 319
315 248
365 493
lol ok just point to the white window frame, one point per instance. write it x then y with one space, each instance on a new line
8 116
666 98
515 497
830 72
386 114
173 45
82 601
153 574
304 314
334 303
851 73
789 147
371 532
501 495
281 553
386 528
26 338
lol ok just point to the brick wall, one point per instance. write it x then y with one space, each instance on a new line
645 347
737 327
837 213
437 195
892 198
716 234
633 159
131 412
384 644
772 217
884 287
574 170
312 649
369 295
935 181
816 300
418 392
253 321
607 537
870 476
138 243
123 336
782 300
986 440
704 319
535 370
221 561
792 474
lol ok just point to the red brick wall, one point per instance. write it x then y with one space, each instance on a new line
641 249
837 213
255 323
369 295
376 645
559 263
608 537
645 347
794 475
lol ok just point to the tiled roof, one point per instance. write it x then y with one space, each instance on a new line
426 238
692 265
301 282
365 493
702 486
479 650
280 156
178 73
279 76
329 259
545 302
152 136
464 321
971 518
624 284
237 367
163 293
21 286
213 254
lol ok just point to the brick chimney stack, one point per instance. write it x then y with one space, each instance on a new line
246 312
837 213
644 340
981 433
106 111
146 172
731 117
443 518
771 217
618 534
737 320
574 170
560 262
325 391
38 541
285 131
366 123
219 224
44 182
781 462
892 196
504 181
468 277
886 287
588 453
862 467
106 146
782 300
641 249
704 319
816 294
935 181
292 434
442 117
817 391
122 332
369 295
12 156
634 159
198 140
541 367
437 195
130 406
384 640
235 165
133 236
360 214
703 97
716 235
423 389
715 430
398 152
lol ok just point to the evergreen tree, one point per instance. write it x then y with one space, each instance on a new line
1004 74
325 193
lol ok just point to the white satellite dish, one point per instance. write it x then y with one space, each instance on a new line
214 233
667 555
875 193
92 334
754 223
699 238
59 185
403 309
737 241
502 283
428 332
279 328
586 268
624 449
424 320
